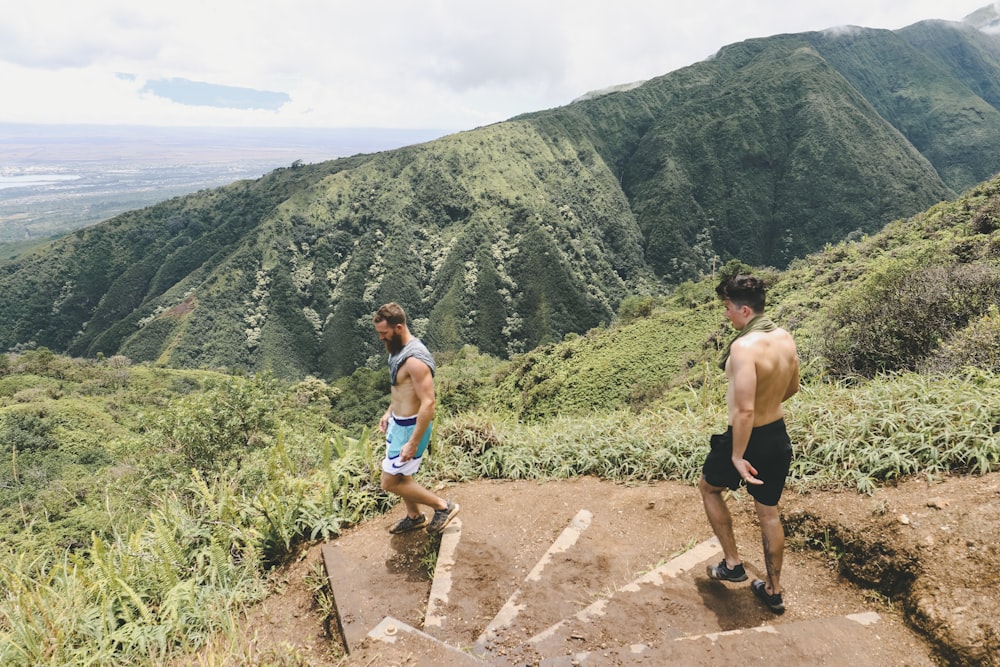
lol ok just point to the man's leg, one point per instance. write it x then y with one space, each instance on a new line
412 493
720 519
773 537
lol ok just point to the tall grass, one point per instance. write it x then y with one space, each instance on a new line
619 445
864 435
188 573
184 577
845 435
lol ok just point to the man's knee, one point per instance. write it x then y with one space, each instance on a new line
767 514
389 482
708 489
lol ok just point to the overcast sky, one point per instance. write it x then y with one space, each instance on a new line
443 64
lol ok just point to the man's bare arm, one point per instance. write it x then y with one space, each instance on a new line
742 373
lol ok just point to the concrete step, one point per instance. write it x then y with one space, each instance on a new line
599 550
488 561
369 584
436 619
631 531
670 589
855 640
515 604
393 642
558 588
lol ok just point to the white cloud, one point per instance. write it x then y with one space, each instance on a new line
447 64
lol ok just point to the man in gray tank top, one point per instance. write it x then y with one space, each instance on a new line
408 422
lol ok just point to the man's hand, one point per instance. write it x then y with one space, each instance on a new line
746 471
383 424
408 451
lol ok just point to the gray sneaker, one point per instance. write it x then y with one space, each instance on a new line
407 524
721 572
772 602
443 517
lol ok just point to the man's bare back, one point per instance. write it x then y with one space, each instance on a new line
763 370
775 373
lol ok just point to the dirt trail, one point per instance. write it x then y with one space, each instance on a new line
900 578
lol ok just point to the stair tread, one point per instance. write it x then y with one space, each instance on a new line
356 576
859 640
518 600
559 586
682 601
393 642
628 532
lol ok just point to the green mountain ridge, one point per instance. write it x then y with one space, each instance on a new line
920 295
513 235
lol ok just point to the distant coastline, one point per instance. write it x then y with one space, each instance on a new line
55 179
30 180
34 144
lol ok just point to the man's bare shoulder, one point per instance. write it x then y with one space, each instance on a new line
763 344
758 336
785 336
412 368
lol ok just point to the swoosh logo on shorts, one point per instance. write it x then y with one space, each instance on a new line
401 465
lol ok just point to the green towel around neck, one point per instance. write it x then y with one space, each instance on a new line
758 323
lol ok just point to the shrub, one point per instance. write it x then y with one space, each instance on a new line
463 379
205 428
363 397
900 314
27 431
635 307
987 218
976 345
314 390
692 295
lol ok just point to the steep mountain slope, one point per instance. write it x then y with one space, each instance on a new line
483 230
921 294
510 236
776 166
927 81
89 284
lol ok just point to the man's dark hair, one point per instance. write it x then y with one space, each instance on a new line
391 313
743 291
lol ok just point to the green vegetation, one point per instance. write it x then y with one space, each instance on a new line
512 236
147 586
142 507
232 474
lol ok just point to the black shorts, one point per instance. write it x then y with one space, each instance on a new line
769 451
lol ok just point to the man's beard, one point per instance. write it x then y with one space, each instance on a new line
394 344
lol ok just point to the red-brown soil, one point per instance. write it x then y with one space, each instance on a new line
922 555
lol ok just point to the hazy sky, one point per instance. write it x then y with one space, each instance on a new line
443 64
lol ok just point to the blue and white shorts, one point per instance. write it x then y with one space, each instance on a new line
396 435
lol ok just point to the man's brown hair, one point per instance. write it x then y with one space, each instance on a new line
744 291
390 313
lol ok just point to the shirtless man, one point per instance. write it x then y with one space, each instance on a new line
408 421
762 369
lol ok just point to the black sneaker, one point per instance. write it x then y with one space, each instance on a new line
407 523
442 518
721 572
772 602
